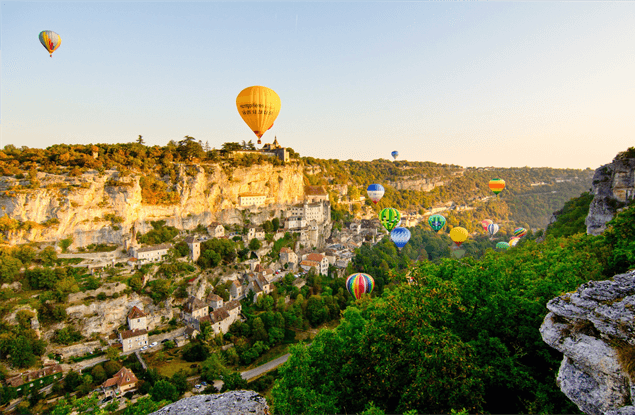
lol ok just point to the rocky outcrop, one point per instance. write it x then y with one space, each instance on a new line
239 402
593 327
106 207
613 187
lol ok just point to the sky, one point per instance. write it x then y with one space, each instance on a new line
505 84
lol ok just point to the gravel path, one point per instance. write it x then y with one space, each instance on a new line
250 374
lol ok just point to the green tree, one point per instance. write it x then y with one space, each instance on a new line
179 380
164 390
99 374
255 244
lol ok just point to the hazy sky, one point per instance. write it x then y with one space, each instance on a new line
475 84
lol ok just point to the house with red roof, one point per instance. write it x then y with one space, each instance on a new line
123 381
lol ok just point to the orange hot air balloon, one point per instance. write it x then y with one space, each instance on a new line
497 185
259 107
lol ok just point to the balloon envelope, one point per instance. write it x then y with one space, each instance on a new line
436 222
389 218
492 229
359 284
520 232
50 40
458 253
259 107
497 185
502 245
513 241
458 235
400 236
485 223
375 192
394 154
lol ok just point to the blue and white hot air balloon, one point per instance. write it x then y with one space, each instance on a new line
400 236
375 192
394 154
492 229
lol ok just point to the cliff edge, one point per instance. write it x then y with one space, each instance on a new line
239 402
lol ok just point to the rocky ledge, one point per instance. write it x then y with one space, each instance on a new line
240 402
594 328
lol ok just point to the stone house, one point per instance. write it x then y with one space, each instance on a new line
122 382
236 290
251 199
288 256
294 222
355 227
195 247
255 232
133 339
150 253
315 194
137 319
216 230
35 379
319 261
215 301
193 311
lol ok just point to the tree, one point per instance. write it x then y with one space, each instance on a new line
233 381
65 243
48 256
189 148
99 374
113 353
255 244
164 390
9 268
111 367
195 352
140 140
179 380
72 381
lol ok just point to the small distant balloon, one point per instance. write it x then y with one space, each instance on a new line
520 232
394 154
375 192
50 40
359 284
492 229
400 236
485 223
437 222
497 185
389 218
459 235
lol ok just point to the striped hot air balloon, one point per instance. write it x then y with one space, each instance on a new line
389 218
50 40
520 232
459 235
359 284
375 192
485 223
502 245
497 185
400 236
492 229
437 222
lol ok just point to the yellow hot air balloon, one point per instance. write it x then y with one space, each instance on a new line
259 107
458 235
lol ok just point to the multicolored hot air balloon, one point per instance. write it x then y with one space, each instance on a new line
458 235
497 185
520 232
492 229
502 245
259 107
485 223
375 192
50 40
513 241
394 154
400 236
389 218
437 222
359 284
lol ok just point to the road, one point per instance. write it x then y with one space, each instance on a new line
264 368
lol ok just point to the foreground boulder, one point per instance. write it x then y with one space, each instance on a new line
239 402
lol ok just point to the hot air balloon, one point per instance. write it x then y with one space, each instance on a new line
259 107
375 192
497 185
520 232
400 236
502 245
458 253
492 229
485 223
359 284
458 235
513 241
50 40
389 218
394 154
436 222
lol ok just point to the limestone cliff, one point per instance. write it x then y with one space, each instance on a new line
239 402
593 327
104 208
613 186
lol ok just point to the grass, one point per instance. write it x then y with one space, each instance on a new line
170 367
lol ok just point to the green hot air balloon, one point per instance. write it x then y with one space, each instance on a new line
389 218
502 245
437 222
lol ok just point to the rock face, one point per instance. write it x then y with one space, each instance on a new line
104 208
592 327
613 186
240 402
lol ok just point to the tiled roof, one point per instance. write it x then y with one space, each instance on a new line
309 263
231 305
135 312
132 333
193 304
219 315
214 297
190 239
123 377
315 257
286 250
